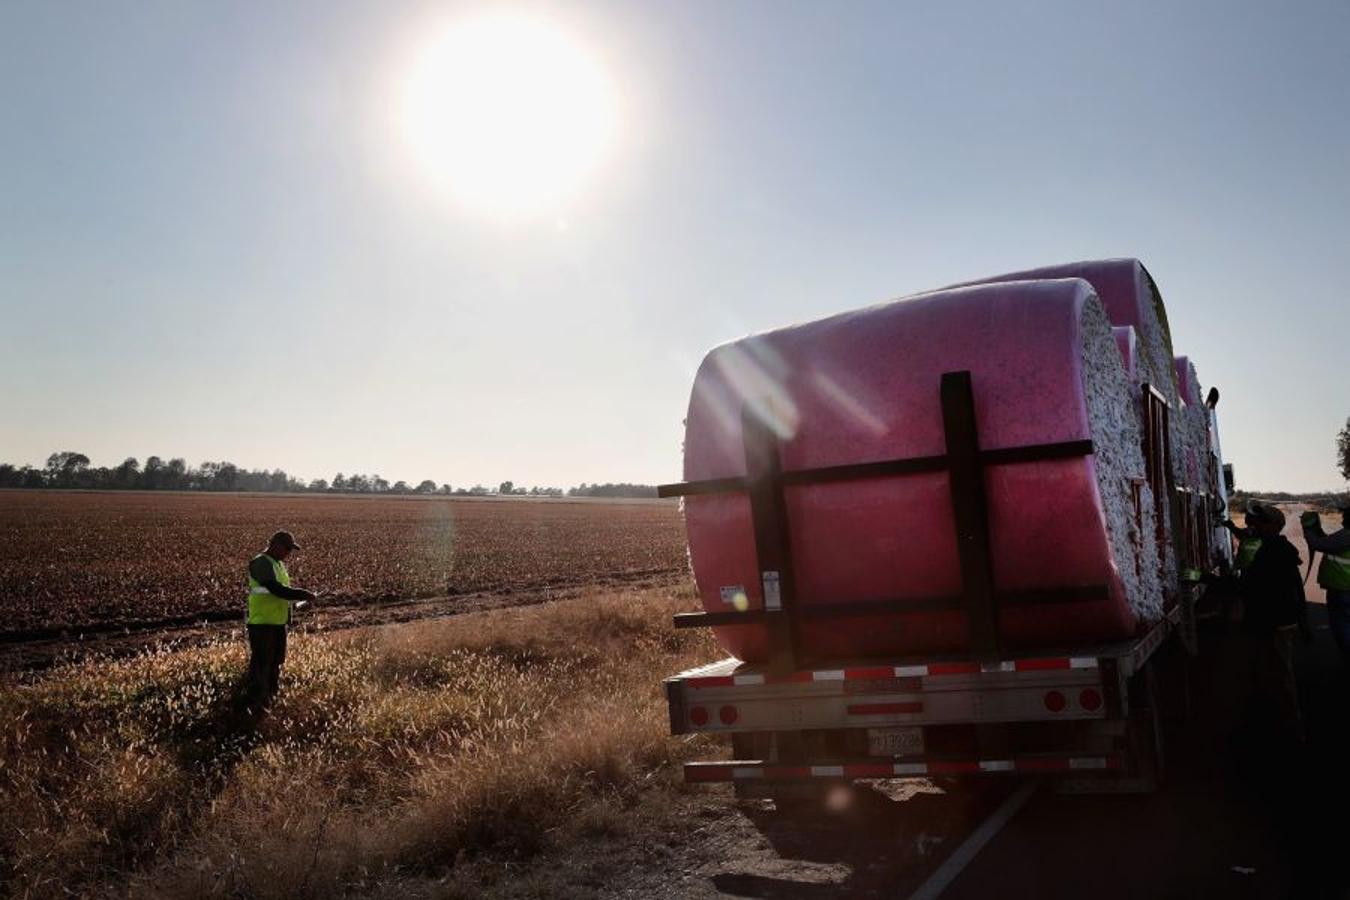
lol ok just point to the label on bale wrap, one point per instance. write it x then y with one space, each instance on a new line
773 598
734 595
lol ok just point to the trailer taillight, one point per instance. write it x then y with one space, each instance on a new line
728 715
1054 701
1090 699
698 716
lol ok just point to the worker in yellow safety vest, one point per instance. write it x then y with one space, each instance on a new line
1334 572
270 597
1248 540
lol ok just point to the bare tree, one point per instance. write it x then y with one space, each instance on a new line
1343 450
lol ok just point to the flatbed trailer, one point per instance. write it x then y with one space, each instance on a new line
1091 715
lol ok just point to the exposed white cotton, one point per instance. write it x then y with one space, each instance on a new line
1118 462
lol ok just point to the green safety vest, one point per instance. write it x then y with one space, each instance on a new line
265 607
1334 572
1247 548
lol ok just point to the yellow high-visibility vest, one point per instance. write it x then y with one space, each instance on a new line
265 607
1247 548
1334 572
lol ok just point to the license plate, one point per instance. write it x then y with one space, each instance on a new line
905 740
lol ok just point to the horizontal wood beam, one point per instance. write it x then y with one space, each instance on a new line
695 488
1044 596
712 620
855 471
883 607
883 468
1036 452
902 606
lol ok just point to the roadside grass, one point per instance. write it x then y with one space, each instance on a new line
396 759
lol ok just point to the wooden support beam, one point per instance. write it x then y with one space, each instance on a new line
711 620
1095 593
897 607
882 469
882 607
971 510
854 471
768 514
1035 452
696 488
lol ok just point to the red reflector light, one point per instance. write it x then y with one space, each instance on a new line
1054 701
728 715
1090 699
698 716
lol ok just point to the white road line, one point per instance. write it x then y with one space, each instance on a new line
953 865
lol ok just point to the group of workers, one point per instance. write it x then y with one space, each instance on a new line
1270 584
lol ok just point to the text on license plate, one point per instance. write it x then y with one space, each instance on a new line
904 740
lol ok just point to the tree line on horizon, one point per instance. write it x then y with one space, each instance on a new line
70 470
1316 499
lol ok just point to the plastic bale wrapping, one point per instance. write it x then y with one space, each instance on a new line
1132 299
864 386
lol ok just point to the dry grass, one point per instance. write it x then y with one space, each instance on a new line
392 756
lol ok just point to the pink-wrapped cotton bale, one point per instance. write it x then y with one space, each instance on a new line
1132 299
863 386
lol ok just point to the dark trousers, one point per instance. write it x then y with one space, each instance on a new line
1274 687
267 651
1338 617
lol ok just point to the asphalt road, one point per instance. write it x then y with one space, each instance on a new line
1242 813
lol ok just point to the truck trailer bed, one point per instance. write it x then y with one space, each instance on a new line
880 718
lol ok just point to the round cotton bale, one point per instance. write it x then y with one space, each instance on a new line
862 387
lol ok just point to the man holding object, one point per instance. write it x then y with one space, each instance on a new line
269 612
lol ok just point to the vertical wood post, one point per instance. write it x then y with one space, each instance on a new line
971 509
768 512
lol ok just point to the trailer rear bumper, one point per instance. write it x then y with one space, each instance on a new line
759 770
730 696
889 696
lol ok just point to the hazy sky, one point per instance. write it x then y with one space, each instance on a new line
215 242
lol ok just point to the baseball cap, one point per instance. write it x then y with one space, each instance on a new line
1264 512
285 539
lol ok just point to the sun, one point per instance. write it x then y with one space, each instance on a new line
508 113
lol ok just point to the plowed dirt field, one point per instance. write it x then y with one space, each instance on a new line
98 561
